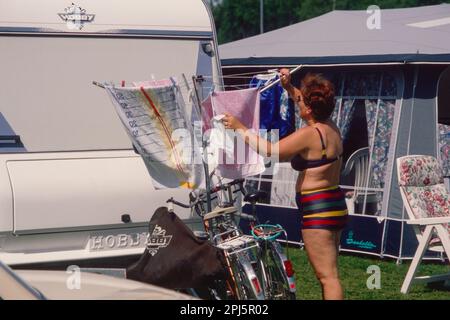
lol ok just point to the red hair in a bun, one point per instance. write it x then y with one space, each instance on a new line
318 94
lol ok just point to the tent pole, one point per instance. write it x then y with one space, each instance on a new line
416 74
391 164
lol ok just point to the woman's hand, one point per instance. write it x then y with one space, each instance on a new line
231 122
285 78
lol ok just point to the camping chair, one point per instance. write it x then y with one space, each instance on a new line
360 161
427 203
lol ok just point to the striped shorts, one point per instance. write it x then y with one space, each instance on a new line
322 208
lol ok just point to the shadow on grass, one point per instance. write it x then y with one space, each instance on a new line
439 286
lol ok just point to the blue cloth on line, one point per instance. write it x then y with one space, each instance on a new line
276 109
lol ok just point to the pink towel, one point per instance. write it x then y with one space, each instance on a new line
207 113
243 104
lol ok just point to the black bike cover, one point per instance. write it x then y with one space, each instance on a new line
175 258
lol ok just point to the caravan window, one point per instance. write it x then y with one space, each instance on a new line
49 102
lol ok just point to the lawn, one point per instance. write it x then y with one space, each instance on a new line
354 276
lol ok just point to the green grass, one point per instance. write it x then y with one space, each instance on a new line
354 276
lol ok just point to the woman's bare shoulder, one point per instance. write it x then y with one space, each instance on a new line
334 127
300 137
305 130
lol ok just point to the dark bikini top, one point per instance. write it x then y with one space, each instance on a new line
300 164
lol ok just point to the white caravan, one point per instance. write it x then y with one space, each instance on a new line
71 185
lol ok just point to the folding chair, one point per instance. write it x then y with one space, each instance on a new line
427 202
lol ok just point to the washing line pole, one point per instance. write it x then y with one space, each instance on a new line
278 80
205 152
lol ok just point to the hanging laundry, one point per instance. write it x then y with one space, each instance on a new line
223 138
276 110
236 162
209 132
155 118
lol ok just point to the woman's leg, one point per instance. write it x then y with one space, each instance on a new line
321 247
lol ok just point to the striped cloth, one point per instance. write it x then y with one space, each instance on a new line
322 208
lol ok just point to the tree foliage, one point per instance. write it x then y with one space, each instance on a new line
238 19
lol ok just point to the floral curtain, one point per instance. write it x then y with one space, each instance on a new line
379 137
371 116
335 114
380 119
345 116
444 147
379 91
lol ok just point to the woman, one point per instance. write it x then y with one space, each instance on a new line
315 151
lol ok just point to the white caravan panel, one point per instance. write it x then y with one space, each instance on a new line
81 193
97 16
48 97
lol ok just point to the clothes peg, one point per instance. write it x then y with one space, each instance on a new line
213 87
153 79
172 79
199 78
98 84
